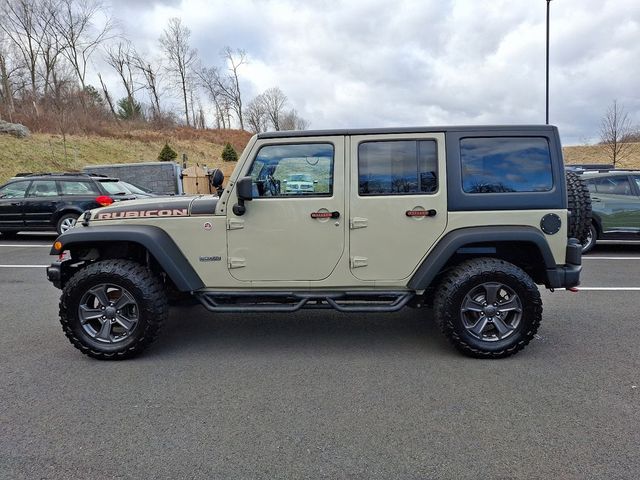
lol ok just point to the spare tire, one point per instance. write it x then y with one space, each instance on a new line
579 207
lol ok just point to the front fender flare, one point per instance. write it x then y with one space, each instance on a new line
154 239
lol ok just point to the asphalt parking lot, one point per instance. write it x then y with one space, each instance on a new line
321 394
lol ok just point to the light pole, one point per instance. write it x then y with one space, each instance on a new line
547 96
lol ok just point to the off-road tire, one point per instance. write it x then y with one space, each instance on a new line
463 279
579 207
63 219
147 291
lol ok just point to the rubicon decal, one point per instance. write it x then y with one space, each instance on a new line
173 212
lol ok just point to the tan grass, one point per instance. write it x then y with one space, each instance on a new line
598 154
46 153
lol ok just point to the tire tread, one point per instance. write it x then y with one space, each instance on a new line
468 272
153 296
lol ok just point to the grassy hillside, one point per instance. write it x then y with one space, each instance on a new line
45 153
599 154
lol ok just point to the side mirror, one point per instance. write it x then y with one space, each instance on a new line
244 190
216 178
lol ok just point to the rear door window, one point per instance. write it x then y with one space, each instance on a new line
43 188
506 164
397 167
68 187
617 185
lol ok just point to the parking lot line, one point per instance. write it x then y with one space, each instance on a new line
23 266
23 246
610 289
611 258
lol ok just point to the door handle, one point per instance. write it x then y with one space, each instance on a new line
421 213
16 204
334 214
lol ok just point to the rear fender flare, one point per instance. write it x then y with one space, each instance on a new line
453 241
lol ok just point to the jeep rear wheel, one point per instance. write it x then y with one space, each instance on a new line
488 308
579 201
112 309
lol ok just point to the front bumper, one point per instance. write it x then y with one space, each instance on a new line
59 272
567 275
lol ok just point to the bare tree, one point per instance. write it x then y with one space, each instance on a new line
615 129
151 74
51 44
107 97
229 86
209 79
121 57
19 22
292 121
6 87
83 26
256 115
180 55
274 101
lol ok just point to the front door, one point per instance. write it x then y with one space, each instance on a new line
293 229
398 203
12 198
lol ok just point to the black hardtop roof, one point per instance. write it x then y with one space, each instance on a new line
376 131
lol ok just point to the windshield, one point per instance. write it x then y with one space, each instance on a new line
135 188
122 188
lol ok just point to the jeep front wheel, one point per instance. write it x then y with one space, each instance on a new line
112 309
488 308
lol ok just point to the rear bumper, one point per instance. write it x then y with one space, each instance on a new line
567 275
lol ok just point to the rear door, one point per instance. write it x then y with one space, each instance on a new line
41 203
398 203
12 197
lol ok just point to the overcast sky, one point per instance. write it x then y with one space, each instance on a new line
376 63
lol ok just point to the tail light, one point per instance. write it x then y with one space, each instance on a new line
104 200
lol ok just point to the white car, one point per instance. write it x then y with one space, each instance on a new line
299 183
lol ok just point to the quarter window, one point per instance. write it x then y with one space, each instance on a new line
398 167
14 190
506 164
293 170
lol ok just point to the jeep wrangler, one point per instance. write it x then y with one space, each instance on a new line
464 220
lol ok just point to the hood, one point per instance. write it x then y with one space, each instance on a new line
157 207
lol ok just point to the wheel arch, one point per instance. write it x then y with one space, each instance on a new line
65 210
532 252
144 239
597 221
